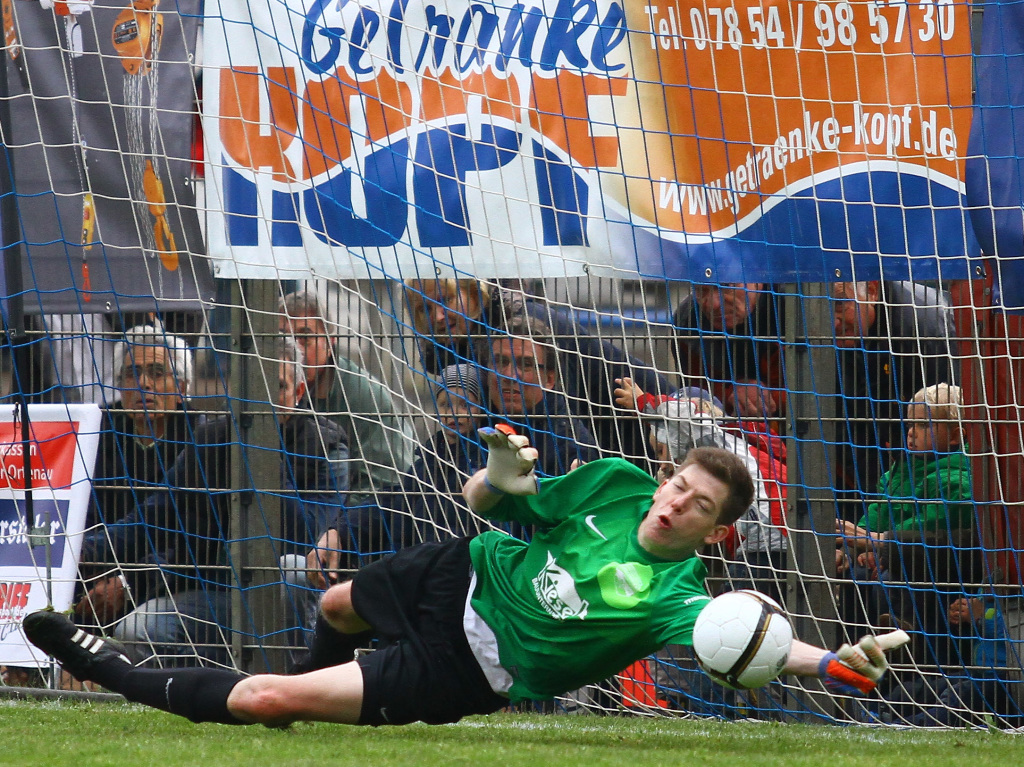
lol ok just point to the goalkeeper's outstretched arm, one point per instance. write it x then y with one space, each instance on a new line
850 670
804 659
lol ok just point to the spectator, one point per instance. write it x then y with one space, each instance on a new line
925 498
427 507
731 336
450 457
142 435
380 439
892 339
450 316
176 539
928 489
521 389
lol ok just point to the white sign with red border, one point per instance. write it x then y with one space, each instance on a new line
39 556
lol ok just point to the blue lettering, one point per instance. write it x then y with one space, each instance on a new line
564 34
334 34
284 228
482 36
329 205
610 35
363 31
488 26
240 206
564 200
519 28
394 32
442 26
15 548
443 157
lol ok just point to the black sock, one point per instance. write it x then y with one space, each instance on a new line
111 673
330 647
198 694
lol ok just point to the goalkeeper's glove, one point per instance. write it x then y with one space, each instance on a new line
510 462
856 669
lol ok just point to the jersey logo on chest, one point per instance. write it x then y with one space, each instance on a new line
589 520
556 592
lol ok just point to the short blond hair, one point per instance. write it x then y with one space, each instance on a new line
943 400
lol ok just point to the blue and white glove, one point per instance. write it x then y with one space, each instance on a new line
856 669
510 462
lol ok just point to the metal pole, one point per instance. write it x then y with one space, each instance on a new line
14 316
811 381
255 522
14 322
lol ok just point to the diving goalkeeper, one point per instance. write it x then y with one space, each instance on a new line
470 625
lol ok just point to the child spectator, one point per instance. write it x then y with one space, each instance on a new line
928 489
923 501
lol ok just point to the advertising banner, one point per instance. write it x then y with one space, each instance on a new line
995 170
103 114
730 141
39 556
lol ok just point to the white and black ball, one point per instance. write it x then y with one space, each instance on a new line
742 639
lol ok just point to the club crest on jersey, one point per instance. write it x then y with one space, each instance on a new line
556 592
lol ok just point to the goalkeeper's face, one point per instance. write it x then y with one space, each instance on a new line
684 514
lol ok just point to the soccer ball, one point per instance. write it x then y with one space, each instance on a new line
742 639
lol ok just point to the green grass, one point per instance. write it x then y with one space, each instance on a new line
73 734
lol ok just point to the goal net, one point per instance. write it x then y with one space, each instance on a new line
296 253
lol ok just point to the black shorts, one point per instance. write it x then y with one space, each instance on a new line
423 669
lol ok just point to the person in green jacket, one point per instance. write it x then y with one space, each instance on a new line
927 492
379 435
917 538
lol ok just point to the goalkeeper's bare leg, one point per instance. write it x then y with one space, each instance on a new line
333 694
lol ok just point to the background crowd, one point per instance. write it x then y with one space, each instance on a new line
358 478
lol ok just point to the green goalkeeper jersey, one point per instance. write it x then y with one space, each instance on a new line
582 600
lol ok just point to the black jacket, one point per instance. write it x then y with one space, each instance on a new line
183 528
